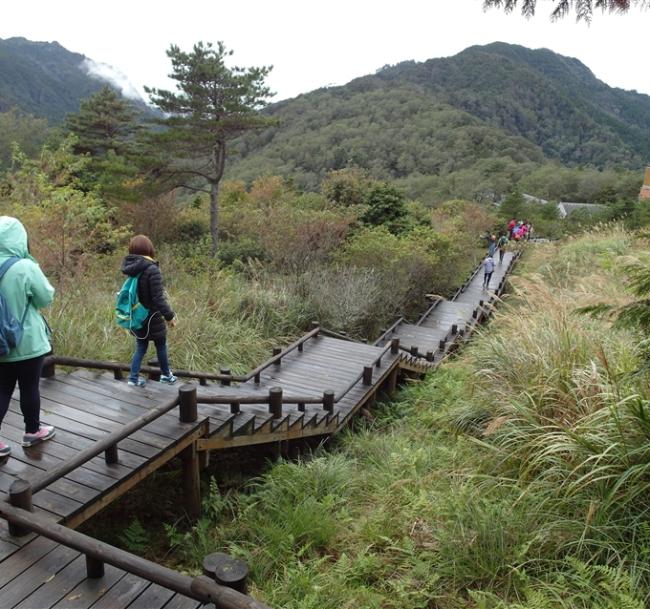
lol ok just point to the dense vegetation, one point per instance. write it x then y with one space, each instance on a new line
515 477
473 125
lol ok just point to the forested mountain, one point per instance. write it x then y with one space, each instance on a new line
43 79
498 109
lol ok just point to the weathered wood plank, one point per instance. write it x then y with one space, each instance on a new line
89 591
21 586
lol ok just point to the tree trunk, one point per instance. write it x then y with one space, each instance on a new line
214 217
219 161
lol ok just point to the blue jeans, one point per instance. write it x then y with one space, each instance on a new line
141 346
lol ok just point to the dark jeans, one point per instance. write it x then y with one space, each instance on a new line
28 375
501 255
486 279
141 346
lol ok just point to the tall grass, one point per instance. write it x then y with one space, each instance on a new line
224 318
516 477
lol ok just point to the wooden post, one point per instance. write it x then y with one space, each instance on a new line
414 351
94 567
454 329
111 455
235 408
315 325
300 347
378 362
475 313
256 379
429 356
204 459
328 400
191 481
391 385
188 412
227 571
203 381
275 402
225 372
301 407
367 375
394 346
49 369
20 496
117 374
277 351
442 343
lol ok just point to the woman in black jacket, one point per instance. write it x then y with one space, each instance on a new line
140 261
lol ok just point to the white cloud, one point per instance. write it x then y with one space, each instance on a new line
113 76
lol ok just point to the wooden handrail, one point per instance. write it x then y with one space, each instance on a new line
199 588
255 399
277 357
428 312
389 330
106 443
65 360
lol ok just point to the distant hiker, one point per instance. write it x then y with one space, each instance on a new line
492 245
502 242
25 290
511 226
140 263
488 269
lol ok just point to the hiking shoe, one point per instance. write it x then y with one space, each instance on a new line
5 450
139 382
169 379
45 432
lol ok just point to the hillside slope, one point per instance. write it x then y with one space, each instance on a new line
43 79
499 105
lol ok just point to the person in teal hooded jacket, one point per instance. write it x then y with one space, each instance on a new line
25 289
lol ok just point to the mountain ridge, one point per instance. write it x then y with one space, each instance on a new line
45 79
492 105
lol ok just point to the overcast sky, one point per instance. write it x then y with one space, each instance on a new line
314 44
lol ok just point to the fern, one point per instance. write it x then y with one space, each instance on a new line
135 537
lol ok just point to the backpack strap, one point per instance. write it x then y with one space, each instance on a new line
7 264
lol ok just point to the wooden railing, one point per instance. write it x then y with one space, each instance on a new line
22 521
224 375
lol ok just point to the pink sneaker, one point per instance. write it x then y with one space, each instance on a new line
45 432
5 450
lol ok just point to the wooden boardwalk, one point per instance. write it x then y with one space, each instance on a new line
310 391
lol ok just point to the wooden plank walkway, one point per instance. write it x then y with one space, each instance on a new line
448 320
86 405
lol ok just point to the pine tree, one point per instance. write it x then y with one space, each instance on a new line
105 122
213 104
583 8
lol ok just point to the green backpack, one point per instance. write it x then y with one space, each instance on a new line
129 311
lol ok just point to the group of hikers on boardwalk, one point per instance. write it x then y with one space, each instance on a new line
516 231
25 334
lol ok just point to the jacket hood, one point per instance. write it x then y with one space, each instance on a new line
133 264
13 237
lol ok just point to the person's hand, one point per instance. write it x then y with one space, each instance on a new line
172 322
